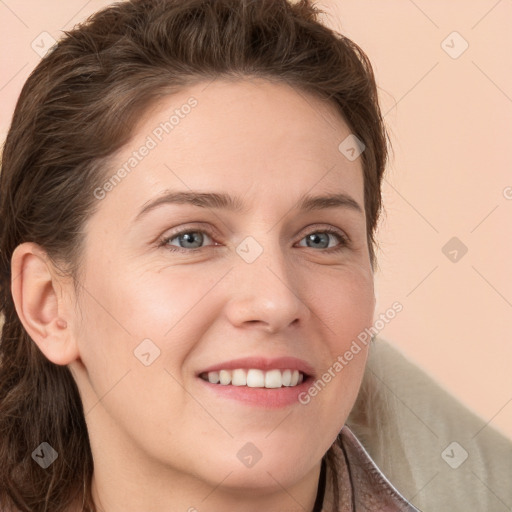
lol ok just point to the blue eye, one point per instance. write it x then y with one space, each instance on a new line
190 239
323 237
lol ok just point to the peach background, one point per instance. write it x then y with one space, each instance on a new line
451 123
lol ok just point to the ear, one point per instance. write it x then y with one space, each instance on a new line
37 294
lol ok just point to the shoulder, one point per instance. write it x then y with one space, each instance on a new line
434 449
360 479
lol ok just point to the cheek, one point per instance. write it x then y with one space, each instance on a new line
346 309
133 336
345 302
119 313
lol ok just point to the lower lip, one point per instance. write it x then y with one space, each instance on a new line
269 398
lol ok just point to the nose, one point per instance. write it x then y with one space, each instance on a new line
266 293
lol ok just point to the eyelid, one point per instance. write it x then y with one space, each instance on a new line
345 240
200 227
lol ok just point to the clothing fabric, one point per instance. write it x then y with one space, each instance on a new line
438 453
362 486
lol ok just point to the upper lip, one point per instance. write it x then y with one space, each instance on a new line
263 363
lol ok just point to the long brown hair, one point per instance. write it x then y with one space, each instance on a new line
77 108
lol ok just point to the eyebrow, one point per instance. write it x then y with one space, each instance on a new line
218 200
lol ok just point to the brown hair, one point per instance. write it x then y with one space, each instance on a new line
76 109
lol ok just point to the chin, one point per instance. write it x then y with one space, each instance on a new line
250 469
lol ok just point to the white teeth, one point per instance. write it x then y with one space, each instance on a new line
225 377
239 378
287 377
213 377
255 378
273 379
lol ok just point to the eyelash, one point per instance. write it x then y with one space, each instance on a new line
343 239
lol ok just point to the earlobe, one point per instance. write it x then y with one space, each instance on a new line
36 293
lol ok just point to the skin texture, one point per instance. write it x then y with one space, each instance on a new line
158 436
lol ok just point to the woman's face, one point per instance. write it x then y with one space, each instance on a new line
266 280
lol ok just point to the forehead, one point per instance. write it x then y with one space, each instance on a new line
244 137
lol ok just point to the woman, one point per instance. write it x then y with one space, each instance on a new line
139 372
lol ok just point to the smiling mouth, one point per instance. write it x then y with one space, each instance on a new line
255 378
